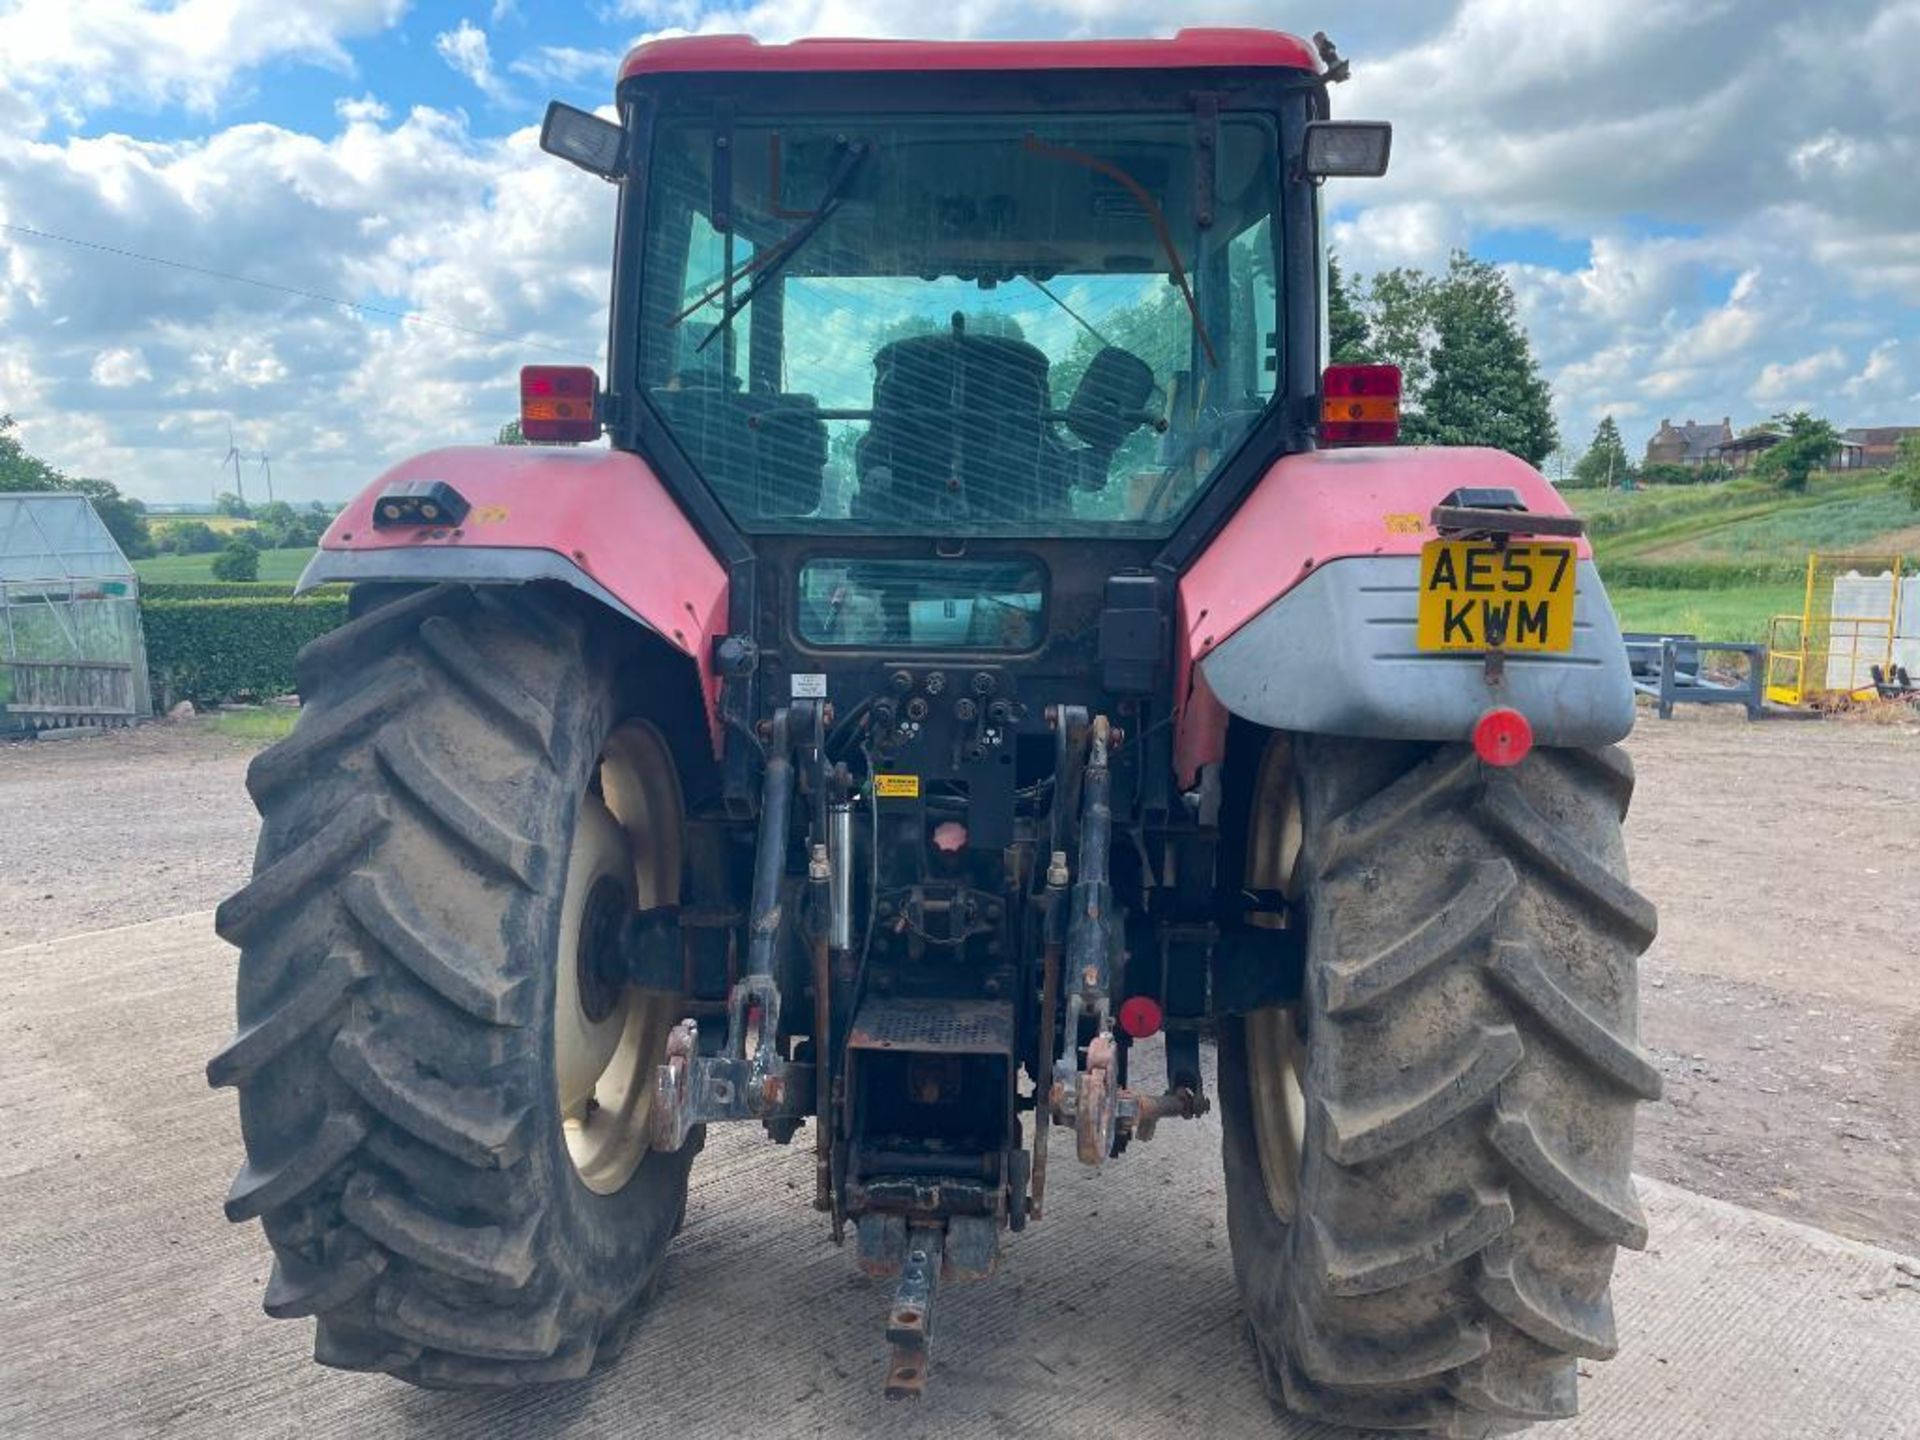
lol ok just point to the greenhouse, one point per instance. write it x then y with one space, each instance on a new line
71 649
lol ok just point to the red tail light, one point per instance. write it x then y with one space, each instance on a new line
558 402
1360 405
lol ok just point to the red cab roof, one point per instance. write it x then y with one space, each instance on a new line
1189 50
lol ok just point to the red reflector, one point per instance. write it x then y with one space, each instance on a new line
558 402
1140 1016
1502 737
1360 405
1373 380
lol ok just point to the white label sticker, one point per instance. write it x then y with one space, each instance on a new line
809 687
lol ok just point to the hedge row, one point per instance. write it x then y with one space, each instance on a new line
1700 574
214 590
212 650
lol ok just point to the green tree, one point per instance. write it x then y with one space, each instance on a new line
510 435
1349 341
1906 468
284 528
1485 387
239 562
228 503
20 471
124 517
1605 464
1399 316
1807 445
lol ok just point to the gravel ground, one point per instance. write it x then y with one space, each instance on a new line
131 1308
1783 996
1782 999
112 827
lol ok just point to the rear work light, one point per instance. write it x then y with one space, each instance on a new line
1360 405
419 502
559 402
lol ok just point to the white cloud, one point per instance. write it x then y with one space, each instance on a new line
465 48
1420 234
567 65
119 367
1782 382
417 213
74 57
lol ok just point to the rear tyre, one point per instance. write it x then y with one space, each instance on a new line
443 1080
1428 1163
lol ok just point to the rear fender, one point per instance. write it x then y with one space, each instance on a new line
596 520
1300 615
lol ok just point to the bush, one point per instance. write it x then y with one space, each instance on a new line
239 561
1667 473
187 537
213 650
282 527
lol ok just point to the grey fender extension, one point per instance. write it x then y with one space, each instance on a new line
1336 656
471 565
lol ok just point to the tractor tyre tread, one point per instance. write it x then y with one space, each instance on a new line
404 1151
1472 1074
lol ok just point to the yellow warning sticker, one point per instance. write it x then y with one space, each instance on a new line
897 787
1403 524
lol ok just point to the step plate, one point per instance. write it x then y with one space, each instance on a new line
955 1027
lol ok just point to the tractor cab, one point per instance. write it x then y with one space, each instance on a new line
956 353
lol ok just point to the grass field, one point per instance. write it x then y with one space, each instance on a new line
283 565
260 727
1740 614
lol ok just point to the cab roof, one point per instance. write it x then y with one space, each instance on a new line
1210 49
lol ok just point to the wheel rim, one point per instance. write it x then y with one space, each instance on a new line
609 1037
1276 1052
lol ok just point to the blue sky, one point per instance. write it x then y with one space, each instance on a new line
1706 207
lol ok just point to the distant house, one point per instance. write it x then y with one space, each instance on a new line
1688 444
1879 445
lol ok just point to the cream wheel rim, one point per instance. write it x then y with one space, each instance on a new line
1276 1065
609 1038
1276 1053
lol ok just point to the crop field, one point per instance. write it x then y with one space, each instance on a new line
1719 561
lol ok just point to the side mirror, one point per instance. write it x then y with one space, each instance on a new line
1346 147
582 138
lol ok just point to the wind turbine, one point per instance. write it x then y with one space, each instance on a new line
233 454
266 466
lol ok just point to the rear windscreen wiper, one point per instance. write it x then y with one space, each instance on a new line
852 155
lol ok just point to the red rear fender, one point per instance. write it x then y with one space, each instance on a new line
597 520
1340 658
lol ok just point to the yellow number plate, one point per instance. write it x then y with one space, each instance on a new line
1475 595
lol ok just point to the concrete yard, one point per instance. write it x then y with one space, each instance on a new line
129 1307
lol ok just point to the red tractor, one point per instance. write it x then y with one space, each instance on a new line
993 648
